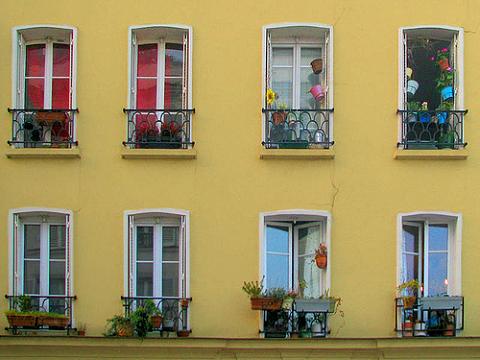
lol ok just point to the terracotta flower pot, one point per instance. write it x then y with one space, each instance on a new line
321 261
409 301
52 321
184 303
183 333
408 328
50 116
125 330
156 321
317 66
19 320
279 117
443 64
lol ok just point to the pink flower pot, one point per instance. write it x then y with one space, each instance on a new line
317 92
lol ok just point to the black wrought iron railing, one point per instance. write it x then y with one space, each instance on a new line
432 129
297 321
429 316
39 128
159 128
174 311
297 128
40 307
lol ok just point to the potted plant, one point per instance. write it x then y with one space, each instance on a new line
184 303
271 299
413 106
318 92
443 111
119 325
325 303
183 333
410 290
321 256
449 325
412 87
445 85
155 314
442 59
81 329
317 66
289 299
280 115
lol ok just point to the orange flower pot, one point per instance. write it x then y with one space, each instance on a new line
265 303
443 64
317 66
321 261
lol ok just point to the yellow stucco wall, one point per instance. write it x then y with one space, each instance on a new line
228 185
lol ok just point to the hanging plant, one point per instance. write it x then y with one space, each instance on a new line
321 256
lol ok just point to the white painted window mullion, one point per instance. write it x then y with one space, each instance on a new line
158 261
161 75
48 74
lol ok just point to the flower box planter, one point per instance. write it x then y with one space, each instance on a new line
300 144
315 305
48 116
22 320
266 303
183 333
440 302
58 322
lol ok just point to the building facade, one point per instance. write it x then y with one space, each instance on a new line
173 151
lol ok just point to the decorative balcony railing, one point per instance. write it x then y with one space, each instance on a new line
430 316
41 308
174 311
159 128
38 128
297 128
306 320
432 129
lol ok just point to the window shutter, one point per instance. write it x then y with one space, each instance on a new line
183 252
67 256
185 70
131 259
268 67
404 70
16 256
133 70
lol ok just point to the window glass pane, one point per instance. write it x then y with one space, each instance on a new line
31 277
57 277
146 94
170 243
32 241
173 60
173 94
282 84
145 243
35 63
282 56
170 280
410 267
277 271
307 55
438 237
57 241
61 60
307 80
60 93
34 93
308 240
437 274
147 60
144 279
277 239
410 238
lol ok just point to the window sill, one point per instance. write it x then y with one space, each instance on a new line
39 153
297 154
444 154
181 154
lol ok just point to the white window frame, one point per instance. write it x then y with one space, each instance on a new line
402 61
16 243
454 222
329 73
183 261
18 64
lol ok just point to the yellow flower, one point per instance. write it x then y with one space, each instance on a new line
271 96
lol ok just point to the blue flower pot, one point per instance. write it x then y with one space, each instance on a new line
442 117
425 117
446 93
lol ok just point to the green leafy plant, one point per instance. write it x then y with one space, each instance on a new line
254 289
119 325
140 320
445 79
23 303
409 287
149 305
276 293
445 106
414 106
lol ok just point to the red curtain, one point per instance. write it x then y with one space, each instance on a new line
61 77
35 76
145 124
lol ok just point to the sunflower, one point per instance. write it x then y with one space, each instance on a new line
271 96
